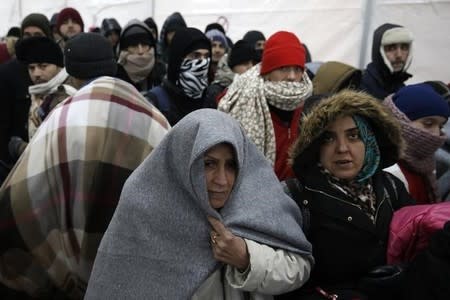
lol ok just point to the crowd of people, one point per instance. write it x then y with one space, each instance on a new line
139 163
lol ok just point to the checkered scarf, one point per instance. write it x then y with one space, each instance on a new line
248 100
59 198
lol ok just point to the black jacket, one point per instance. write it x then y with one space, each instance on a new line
346 243
15 104
176 104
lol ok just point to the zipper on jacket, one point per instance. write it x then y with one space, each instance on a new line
346 202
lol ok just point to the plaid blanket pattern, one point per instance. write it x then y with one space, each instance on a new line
58 200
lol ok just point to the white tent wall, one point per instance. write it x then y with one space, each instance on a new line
332 29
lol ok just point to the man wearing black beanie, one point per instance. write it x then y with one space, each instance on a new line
51 83
187 75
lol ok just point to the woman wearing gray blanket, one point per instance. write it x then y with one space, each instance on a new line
203 217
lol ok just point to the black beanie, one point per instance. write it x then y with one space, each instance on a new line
39 49
184 42
241 52
136 32
38 20
89 55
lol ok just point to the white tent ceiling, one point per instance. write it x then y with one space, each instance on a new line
333 29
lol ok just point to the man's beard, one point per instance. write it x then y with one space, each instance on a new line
398 65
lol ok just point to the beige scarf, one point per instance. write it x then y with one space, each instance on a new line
137 66
247 101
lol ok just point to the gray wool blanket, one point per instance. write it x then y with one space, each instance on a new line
157 245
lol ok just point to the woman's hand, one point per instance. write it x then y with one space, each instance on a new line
227 247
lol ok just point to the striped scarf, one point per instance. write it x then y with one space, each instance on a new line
193 78
248 99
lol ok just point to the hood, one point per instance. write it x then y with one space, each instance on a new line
109 25
173 22
304 152
333 76
377 57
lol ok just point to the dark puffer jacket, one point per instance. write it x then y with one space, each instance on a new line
347 245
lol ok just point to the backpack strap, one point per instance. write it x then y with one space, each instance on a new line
299 195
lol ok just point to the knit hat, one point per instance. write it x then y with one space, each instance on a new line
241 52
217 36
69 13
38 20
89 55
253 36
184 42
420 100
136 32
282 49
39 49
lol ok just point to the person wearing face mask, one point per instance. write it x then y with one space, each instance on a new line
422 113
187 75
268 99
192 222
138 62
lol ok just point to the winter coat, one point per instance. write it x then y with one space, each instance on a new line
411 229
377 79
14 83
267 276
427 276
176 104
346 243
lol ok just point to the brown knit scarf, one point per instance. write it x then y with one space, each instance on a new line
420 148
137 66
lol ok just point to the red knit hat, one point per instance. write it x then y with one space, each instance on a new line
282 49
69 13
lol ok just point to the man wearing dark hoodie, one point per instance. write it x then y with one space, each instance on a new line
173 22
391 58
111 30
138 61
187 75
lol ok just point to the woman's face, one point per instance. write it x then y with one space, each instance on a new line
220 172
342 151
431 124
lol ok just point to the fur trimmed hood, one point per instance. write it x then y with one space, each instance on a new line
304 152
